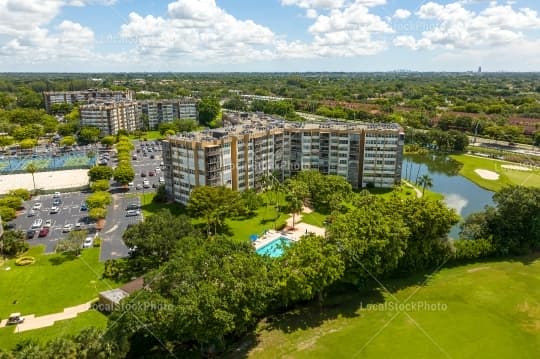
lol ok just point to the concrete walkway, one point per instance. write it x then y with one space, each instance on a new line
300 228
418 192
32 322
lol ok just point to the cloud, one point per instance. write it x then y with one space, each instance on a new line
25 38
314 4
402 14
459 28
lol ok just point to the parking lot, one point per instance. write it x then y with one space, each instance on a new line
69 212
117 220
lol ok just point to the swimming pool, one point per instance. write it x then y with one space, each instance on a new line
274 248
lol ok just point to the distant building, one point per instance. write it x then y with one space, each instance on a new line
110 117
253 146
163 111
84 97
479 69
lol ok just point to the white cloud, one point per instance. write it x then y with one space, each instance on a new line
314 4
311 13
457 27
402 14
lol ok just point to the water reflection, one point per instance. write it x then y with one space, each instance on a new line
460 193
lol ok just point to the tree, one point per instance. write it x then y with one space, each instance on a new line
161 194
425 181
307 268
97 213
370 239
295 207
156 239
12 243
252 200
208 109
100 185
32 168
108 141
72 243
22 193
98 200
536 139
89 134
28 98
124 174
27 143
100 173
7 213
67 141
214 204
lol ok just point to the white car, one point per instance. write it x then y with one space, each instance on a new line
37 206
48 223
130 184
37 223
56 195
67 228
146 184
158 169
161 179
55 209
78 226
132 212
88 242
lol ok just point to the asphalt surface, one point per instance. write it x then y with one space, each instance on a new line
70 213
112 245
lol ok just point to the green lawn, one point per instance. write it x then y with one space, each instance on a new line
506 177
91 318
149 208
51 284
485 310
314 218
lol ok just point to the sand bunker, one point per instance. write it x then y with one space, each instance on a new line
517 168
487 175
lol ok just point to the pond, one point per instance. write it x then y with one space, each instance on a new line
459 193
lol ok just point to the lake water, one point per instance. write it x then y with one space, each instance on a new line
459 193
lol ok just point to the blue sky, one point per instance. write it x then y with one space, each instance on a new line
269 35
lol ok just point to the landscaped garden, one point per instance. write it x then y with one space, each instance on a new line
467 312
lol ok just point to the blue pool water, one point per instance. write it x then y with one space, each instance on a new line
275 248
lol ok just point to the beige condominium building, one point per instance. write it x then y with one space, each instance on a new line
110 117
252 146
163 111
87 96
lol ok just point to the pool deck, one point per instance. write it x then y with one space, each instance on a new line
300 229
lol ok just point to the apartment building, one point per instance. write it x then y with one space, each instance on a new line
84 97
253 146
162 111
110 117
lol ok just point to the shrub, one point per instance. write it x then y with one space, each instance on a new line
466 249
25 261
97 242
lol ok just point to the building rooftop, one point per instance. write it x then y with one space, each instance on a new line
238 124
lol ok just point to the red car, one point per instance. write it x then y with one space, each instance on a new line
43 232
151 173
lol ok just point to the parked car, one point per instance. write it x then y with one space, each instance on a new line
56 195
48 223
84 206
43 232
15 318
78 226
152 157
54 209
161 179
143 174
31 213
67 228
30 233
132 213
146 184
151 173
88 242
37 223
56 202
138 186
37 206
10 226
132 206
130 184
155 185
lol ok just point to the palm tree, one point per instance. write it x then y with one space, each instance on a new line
425 181
295 206
32 168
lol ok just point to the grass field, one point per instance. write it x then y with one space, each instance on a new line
484 310
149 135
506 177
52 283
91 318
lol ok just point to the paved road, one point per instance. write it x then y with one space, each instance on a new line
503 145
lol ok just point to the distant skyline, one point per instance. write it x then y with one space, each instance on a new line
268 35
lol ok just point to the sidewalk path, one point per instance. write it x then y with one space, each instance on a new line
32 322
418 192
300 228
